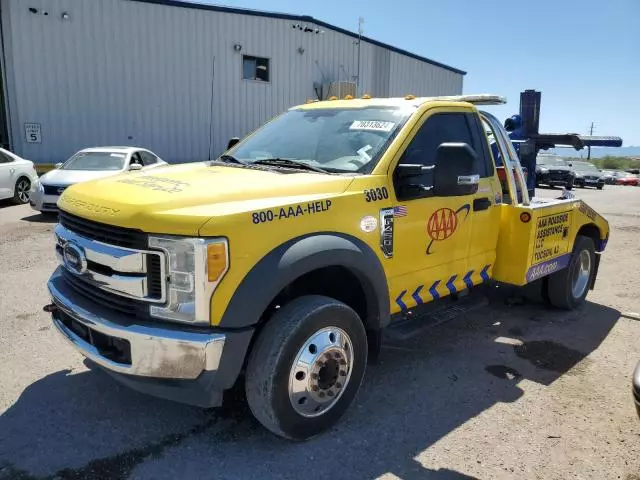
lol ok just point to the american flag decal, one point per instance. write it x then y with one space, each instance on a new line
400 211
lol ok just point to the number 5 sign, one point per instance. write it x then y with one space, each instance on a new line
32 133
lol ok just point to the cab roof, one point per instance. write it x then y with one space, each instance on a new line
408 101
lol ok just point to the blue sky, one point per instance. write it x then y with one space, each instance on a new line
584 55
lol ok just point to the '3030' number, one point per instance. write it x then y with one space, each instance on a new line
375 194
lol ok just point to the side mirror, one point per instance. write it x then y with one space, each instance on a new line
455 171
59 164
232 142
135 167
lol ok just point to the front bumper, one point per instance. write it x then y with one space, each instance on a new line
177 362
42 202
636 388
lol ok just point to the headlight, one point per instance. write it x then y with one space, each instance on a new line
195 267
544 170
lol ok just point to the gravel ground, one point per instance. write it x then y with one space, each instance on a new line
508 391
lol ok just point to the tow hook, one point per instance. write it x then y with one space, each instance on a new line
51 308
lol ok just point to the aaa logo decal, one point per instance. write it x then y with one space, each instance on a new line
444 222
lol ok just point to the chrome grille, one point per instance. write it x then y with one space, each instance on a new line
124 278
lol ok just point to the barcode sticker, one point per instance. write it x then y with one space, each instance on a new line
372 125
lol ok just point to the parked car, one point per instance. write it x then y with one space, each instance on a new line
610 177
624 178
89 164
554 171
587 175
16 177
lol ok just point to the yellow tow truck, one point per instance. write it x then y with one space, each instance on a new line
281 262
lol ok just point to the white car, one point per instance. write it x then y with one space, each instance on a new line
88 164
17 175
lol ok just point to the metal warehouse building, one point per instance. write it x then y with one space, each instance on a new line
176 77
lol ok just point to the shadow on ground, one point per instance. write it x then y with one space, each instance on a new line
85 425
41 218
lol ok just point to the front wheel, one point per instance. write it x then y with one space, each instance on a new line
600 187
306 367
568 288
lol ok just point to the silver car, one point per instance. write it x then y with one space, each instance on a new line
88 164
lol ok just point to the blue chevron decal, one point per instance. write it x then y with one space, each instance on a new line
401 304
416 295
467 279
433 290
484 274
450 284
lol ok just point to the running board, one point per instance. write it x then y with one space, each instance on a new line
414 323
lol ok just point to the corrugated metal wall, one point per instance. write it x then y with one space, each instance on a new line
120 72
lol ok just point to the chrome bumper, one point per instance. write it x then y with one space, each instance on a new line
158 352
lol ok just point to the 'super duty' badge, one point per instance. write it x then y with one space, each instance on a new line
386 232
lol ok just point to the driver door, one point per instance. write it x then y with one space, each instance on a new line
432 235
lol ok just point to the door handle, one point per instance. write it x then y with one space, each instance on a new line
481 204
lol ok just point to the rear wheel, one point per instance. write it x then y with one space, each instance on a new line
21 191
568 288
306 367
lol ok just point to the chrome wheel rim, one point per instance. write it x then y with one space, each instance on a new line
321 372
581 274
23 191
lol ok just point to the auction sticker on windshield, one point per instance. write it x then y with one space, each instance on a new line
372 126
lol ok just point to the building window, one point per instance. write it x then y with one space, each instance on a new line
255 68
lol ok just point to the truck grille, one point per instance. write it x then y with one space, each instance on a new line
120 272
119 236
128 306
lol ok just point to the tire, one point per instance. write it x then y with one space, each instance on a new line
21 191
600 187
560 287
273 366
569 186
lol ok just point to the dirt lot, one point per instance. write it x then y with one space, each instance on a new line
508 391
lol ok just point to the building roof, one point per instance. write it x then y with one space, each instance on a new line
298 18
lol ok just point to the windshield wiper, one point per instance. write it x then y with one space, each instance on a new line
288 162
231 159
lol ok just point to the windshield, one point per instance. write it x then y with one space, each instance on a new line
334 139
552 161
95 161
585 167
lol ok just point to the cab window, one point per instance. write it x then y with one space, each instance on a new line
443 128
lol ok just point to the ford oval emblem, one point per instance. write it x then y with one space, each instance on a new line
74 258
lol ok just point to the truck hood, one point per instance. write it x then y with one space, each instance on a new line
59 177
180 199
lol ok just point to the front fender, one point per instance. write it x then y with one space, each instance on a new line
302 255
